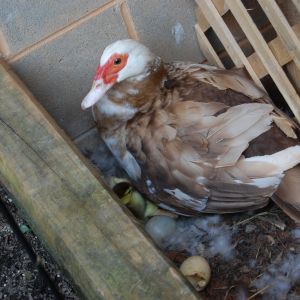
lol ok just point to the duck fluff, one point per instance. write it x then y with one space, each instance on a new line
192 137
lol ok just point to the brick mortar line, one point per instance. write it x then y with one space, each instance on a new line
62 31
128 20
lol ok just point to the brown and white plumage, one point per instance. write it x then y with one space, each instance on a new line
192 137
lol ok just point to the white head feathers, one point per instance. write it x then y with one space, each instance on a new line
136 67
139 56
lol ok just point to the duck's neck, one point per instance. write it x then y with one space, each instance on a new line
140 95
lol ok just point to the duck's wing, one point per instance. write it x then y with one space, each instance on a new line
235 79
285 133
206 83
191 157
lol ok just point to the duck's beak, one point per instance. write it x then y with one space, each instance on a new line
98 90
103 81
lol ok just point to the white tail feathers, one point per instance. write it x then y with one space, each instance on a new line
282 160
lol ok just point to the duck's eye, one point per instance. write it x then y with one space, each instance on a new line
117 61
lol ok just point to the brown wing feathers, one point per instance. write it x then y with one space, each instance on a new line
236 128
189 136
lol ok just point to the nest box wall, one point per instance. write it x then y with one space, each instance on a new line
54 46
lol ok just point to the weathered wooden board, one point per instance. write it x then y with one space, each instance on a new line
80 222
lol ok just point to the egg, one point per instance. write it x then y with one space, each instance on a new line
197 271
160 227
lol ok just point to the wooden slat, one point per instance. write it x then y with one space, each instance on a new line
227 39
281 54
81 223
202 21
128 20
221 6
297 4
283 28
207 49
255 38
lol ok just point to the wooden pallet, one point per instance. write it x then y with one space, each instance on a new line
268 58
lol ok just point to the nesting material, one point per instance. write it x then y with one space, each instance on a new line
206 235
279 278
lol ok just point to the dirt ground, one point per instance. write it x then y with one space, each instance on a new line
26 269
261 242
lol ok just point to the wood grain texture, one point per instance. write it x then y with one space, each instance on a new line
84 228
283 28
266 56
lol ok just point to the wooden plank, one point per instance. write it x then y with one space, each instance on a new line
227 39
266 56
207 49
280 53
82 225
283 28
297 4
201 19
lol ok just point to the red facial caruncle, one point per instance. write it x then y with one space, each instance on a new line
105 77
109 71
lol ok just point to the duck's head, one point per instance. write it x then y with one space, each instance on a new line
121 60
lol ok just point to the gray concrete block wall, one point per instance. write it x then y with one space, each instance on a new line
167 27
26 22
55 46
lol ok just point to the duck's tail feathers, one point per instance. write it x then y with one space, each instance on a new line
285 162
282 160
